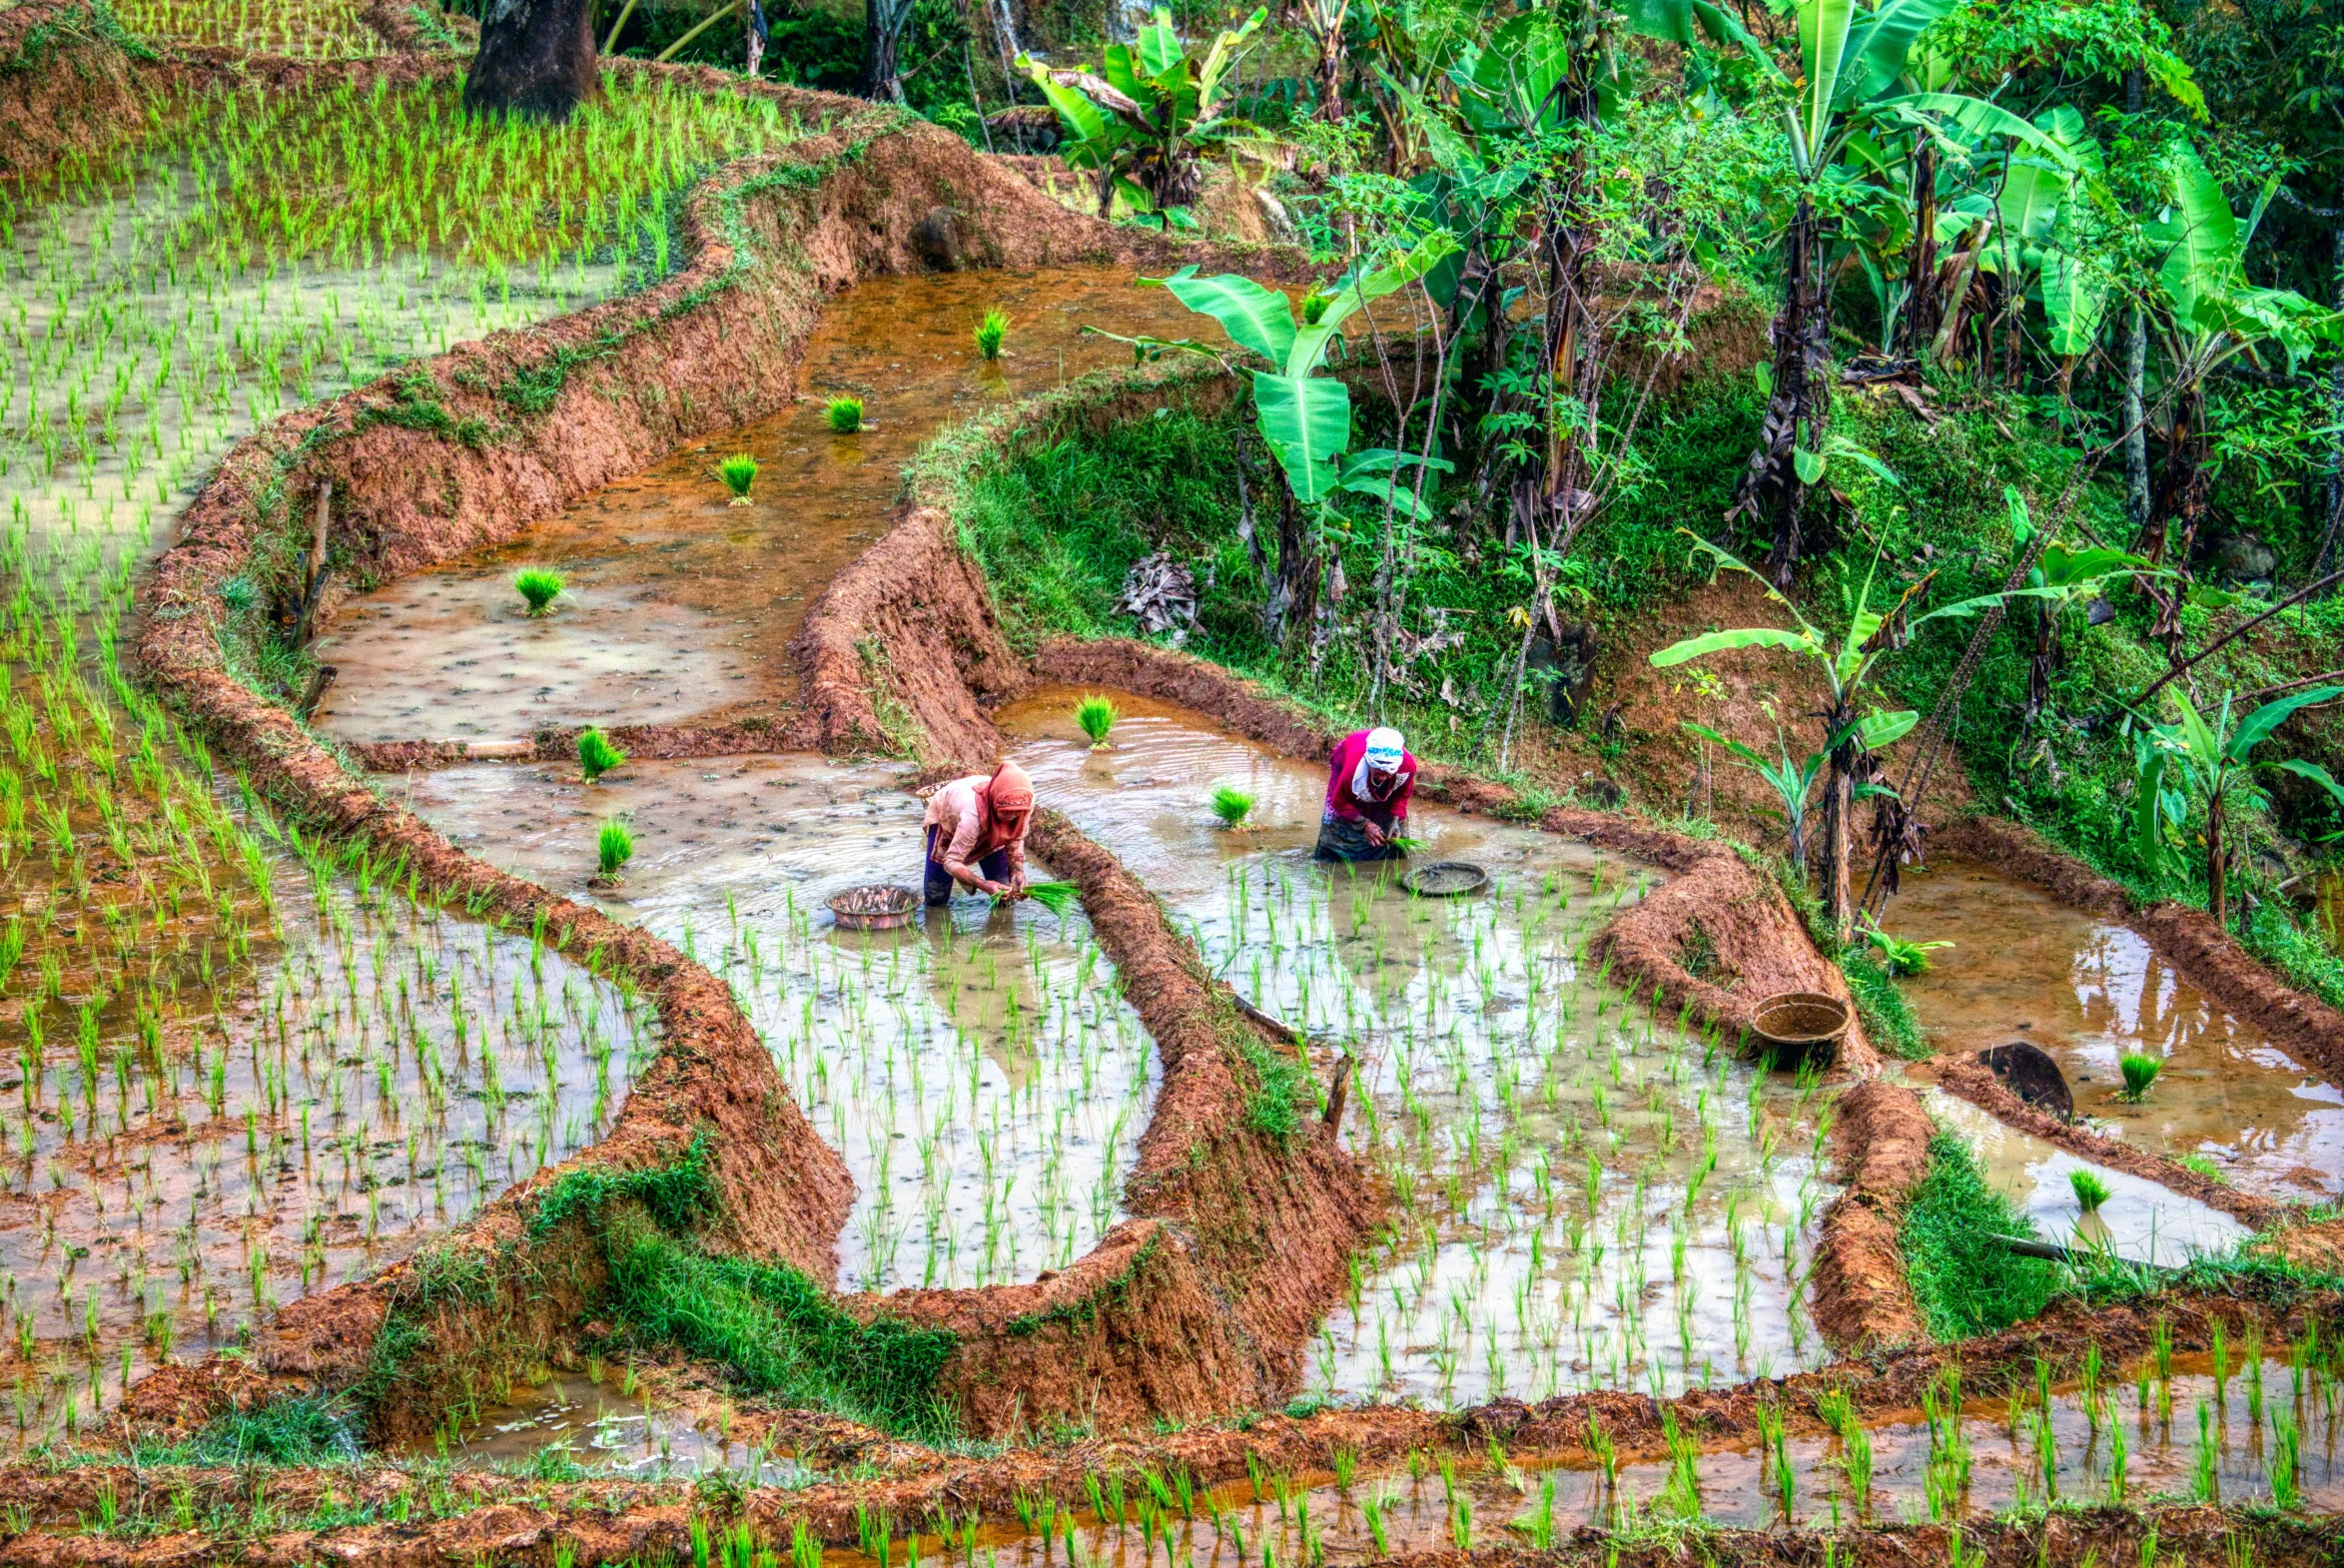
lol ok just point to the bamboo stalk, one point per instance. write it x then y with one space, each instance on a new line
611 41
706 22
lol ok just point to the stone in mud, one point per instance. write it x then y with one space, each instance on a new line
936 240
2032 1074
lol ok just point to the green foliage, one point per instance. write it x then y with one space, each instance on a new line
73 26
1963 1282
2090 1191
415 406
288 1430
2140 1072
845 413
596 755
1902 958
678 1197
1281 1091
1095 716
537 587
1231 804
614 846
1887 1017
738 471
778 1331
992 332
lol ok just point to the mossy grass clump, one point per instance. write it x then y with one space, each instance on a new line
845 413
1231 804
2139 1070
539 588
614 847
1964 1282
738 471
992 332
596 755
1095 716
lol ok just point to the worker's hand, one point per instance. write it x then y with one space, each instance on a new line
997 889
1017 885
1375 835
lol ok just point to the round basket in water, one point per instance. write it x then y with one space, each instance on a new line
1799 1026
1445 879
878 907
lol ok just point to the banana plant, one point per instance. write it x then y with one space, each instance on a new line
2206 313
1849 667
1142 119
2219 762
1791 782
1304 416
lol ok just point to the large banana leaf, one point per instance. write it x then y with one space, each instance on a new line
2201 239
1885 729
1220 58
2257 726
1086 128
2032 193
1520 68
1822 45
1160 47
2075 299
2317 774
1348 296
1307 422
1974 115
1255 318
1725 642
1879 44
1674 21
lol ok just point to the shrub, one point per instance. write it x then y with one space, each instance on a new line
846 414
537 586
738 471
1231 804
990 332
596 755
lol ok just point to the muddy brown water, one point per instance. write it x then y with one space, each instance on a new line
679 605
1587 1196
2024 966
977 1069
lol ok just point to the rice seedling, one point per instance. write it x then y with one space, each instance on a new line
539 588
1231 805
2138 1072
596 754
844 413
1095 717
990 332
614 847
2090 1191
738 471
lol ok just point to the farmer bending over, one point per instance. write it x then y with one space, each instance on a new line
977 833
1368 782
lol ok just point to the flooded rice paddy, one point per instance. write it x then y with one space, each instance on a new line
1586 1196
2024 966
977 1069
680 605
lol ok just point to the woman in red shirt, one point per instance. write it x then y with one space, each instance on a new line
1368 781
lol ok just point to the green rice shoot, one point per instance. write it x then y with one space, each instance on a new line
1231 804
738 471
2090 1191
615 846
596 755
539 588
1095 717
845 413
992 332
2139 1070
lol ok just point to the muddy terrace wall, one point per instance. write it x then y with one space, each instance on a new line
874 191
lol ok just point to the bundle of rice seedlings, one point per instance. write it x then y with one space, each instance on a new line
1231 804
537 587
991 331
846 414
738 471
615 846
596 755
1095 717
2091 1191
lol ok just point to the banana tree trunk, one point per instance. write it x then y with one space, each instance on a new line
1917 328
1838 897
2180 502
1799 407
535 61
2332 484
883 31
2217 864
2136 432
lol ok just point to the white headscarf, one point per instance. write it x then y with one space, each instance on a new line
1385 752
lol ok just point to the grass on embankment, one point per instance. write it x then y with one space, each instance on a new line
1965 1284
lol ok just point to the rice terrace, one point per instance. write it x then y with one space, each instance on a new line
1043 784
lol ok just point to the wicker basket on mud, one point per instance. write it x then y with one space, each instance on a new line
1799 1026
878 907
1445 879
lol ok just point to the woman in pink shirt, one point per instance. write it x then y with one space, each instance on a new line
1368 782
976 833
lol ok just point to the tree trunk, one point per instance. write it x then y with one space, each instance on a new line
2135 432
2217 864
537 60
2180 498
2332 486
1923 311
1799 407
883 31
1838 897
